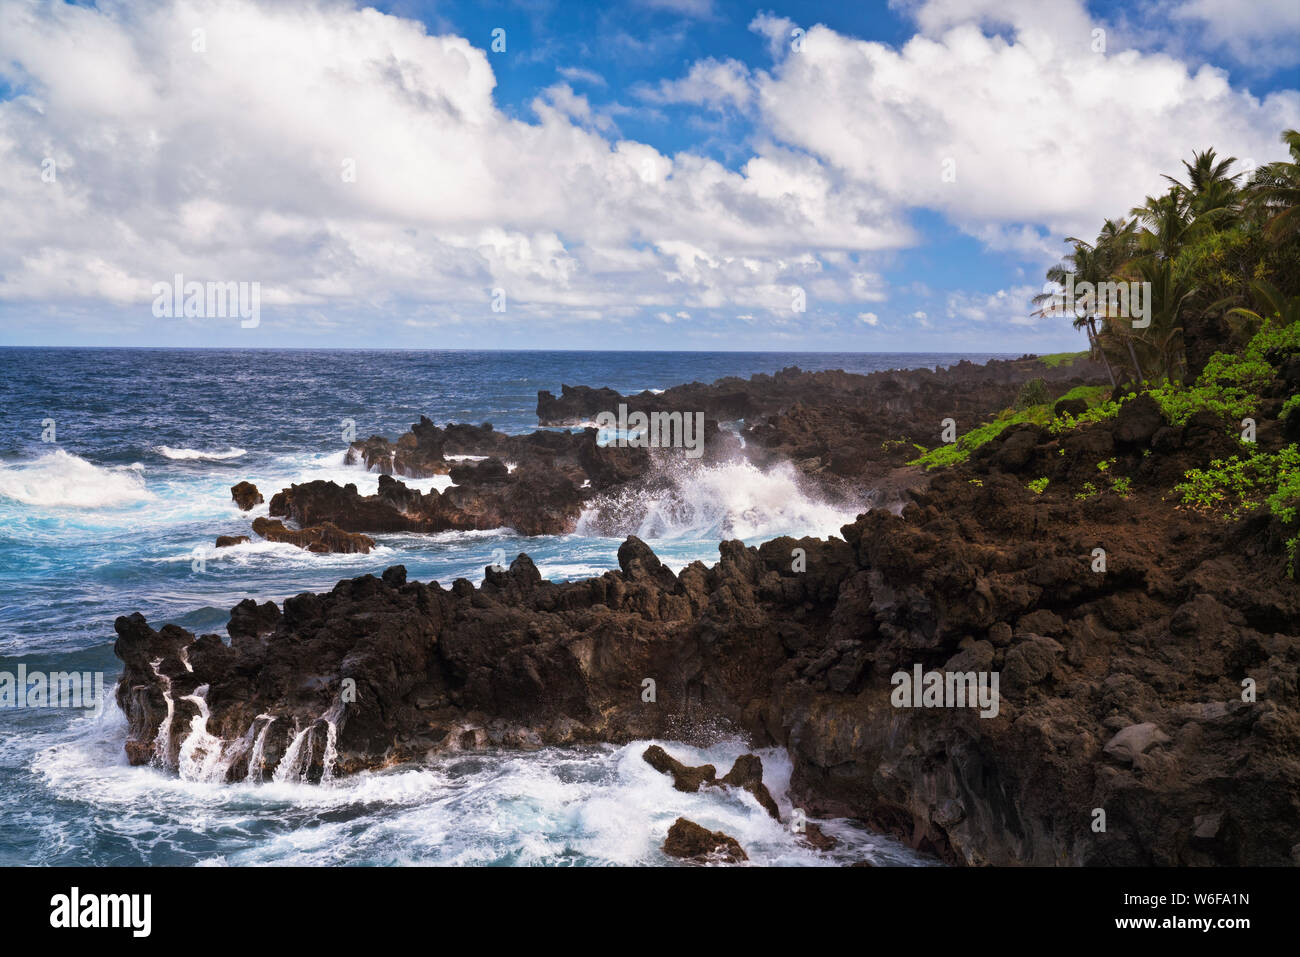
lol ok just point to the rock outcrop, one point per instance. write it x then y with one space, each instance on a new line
690 841
326 537
246 495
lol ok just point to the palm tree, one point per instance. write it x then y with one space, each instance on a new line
1167 292
1274 190
1271 302
1205 173
1093 263
1165 221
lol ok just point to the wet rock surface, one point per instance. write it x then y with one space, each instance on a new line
326 537
246 495
688 840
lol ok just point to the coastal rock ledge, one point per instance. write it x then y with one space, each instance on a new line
1122 734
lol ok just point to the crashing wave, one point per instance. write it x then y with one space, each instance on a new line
732 500
62 480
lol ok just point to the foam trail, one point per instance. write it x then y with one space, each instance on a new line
289 767
331 719
254 772
185 455
165 726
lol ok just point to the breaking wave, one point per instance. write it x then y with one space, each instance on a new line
62 480
733 500
185 455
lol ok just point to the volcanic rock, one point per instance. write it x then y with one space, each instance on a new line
246 495
686 839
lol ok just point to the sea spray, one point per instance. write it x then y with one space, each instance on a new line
199 758
733 500
295 766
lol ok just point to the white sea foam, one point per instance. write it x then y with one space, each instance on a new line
251 552
59 479
732 500
600 805
184 455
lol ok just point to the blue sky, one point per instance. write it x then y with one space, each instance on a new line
696 174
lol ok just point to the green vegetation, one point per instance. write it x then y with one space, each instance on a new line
1057 359
951 454
1103 410
1217 247
1230 385
1241 484
1091 394
1034 392
1213 264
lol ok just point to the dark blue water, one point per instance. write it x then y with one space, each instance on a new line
119 511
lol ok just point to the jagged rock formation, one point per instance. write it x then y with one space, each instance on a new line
837 425
1157 693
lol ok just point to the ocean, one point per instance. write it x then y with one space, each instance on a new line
115 471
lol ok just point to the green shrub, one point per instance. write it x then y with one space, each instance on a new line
1032 393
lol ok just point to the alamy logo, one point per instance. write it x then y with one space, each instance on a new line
946 689
658 430
211 300
102 910
1114 300
54 689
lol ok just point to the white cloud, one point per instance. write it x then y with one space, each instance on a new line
1039 129
234 164
577 74
870 318
691 8
1260 32
712 83
574 106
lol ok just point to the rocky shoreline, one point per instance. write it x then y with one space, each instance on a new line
1124 732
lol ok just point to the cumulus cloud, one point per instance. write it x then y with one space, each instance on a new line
712 83
346 156
1001 114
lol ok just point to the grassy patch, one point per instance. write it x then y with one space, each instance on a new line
945 456
1061 358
